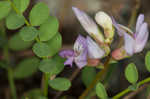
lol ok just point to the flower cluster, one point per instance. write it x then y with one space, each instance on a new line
88 51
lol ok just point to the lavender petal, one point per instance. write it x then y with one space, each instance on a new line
140 35
119 30
87 23
66 53
129 44
94 50
69 61
80 44
141 43
81 60
139 22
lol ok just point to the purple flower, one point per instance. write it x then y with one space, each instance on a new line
88 24
78 54
134 42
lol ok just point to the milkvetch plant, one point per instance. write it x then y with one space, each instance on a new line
42 39
39 32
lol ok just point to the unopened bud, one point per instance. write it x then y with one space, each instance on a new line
119 54
106 23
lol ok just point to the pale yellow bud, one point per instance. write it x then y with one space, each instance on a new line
106 23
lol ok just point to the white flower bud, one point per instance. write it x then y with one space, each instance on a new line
106 23
103 20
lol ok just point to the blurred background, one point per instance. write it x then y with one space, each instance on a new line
70 28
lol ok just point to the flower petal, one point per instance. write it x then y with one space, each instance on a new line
88 24
119 30
126 29
66 53
129 44
80 44
81 59
94 50
139 22
141 39
142 32
69 61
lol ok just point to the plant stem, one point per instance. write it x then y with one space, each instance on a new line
98 77
134 13
128 90
121 93
9 69
45 89
11 83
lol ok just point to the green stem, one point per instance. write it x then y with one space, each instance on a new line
144 81
11 83
134 13
121 93
128 90
94 82
45 90
9 70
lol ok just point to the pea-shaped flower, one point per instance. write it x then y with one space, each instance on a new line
78 54
134 42
85 49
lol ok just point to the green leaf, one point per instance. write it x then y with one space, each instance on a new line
101 92
131 73
28 33
49 28
88 75
39 14
21 5
55 44
41 49
53 65
5 8
60 84
14 21
26 67
147 61
16 43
